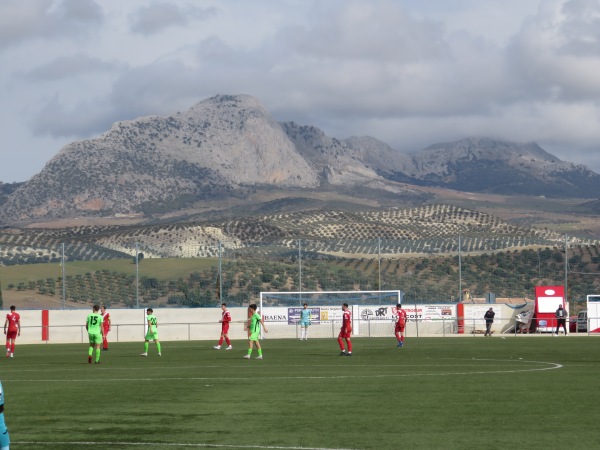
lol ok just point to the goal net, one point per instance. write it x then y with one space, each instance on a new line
372 313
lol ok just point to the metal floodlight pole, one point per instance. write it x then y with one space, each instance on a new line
566 269
220 275
299 265
137 275
379 264
459 272
64 285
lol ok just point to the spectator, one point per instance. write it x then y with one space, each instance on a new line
489 320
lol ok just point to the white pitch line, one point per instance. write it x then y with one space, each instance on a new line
550 366
107 367
166 444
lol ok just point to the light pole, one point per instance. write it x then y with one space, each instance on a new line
64 286
459 272
299 265
220 276
137 275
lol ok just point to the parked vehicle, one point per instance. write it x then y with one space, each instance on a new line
572 324
582 321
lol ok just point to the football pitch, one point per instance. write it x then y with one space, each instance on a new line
435 393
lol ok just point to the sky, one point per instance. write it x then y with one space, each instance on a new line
411 73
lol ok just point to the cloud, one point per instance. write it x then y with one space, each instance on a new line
159 16
23 20
87 118
557 53
157 89
70 66
351 68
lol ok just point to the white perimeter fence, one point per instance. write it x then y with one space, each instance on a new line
370 328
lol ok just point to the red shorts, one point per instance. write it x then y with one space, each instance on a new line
400 327
345 333
11 334
225 328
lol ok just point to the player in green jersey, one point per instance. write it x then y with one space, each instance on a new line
95 330
152 333
254 323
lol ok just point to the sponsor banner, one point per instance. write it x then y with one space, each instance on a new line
429 313
438 312
329 314
376 313
275 314
294 315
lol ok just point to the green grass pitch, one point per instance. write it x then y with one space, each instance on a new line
435 393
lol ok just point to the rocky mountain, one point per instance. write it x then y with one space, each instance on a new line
229 146
486 165
6 189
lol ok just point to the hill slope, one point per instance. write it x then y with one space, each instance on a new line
230 146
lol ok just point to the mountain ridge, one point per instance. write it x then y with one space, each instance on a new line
230 145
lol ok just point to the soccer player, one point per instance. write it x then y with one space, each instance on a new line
254 323
152 333
225 319
13 323
400 318
106 324
305 321
95 330
4 438
345 331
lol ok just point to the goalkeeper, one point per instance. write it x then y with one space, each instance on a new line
4 438
305 321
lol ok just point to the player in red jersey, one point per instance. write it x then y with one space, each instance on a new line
345 331
12 329
225 319
106 324
400 318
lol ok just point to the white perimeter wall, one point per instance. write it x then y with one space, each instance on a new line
68 326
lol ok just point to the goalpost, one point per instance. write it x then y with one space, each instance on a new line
372 312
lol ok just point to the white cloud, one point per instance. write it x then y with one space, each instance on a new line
23 20
70 66
409 72
158 16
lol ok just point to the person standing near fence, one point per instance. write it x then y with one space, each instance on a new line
4 437
254 323
489 320
12 329
305 321
225 320
561 319
400 318
152 333
95 330
345 331
106 324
